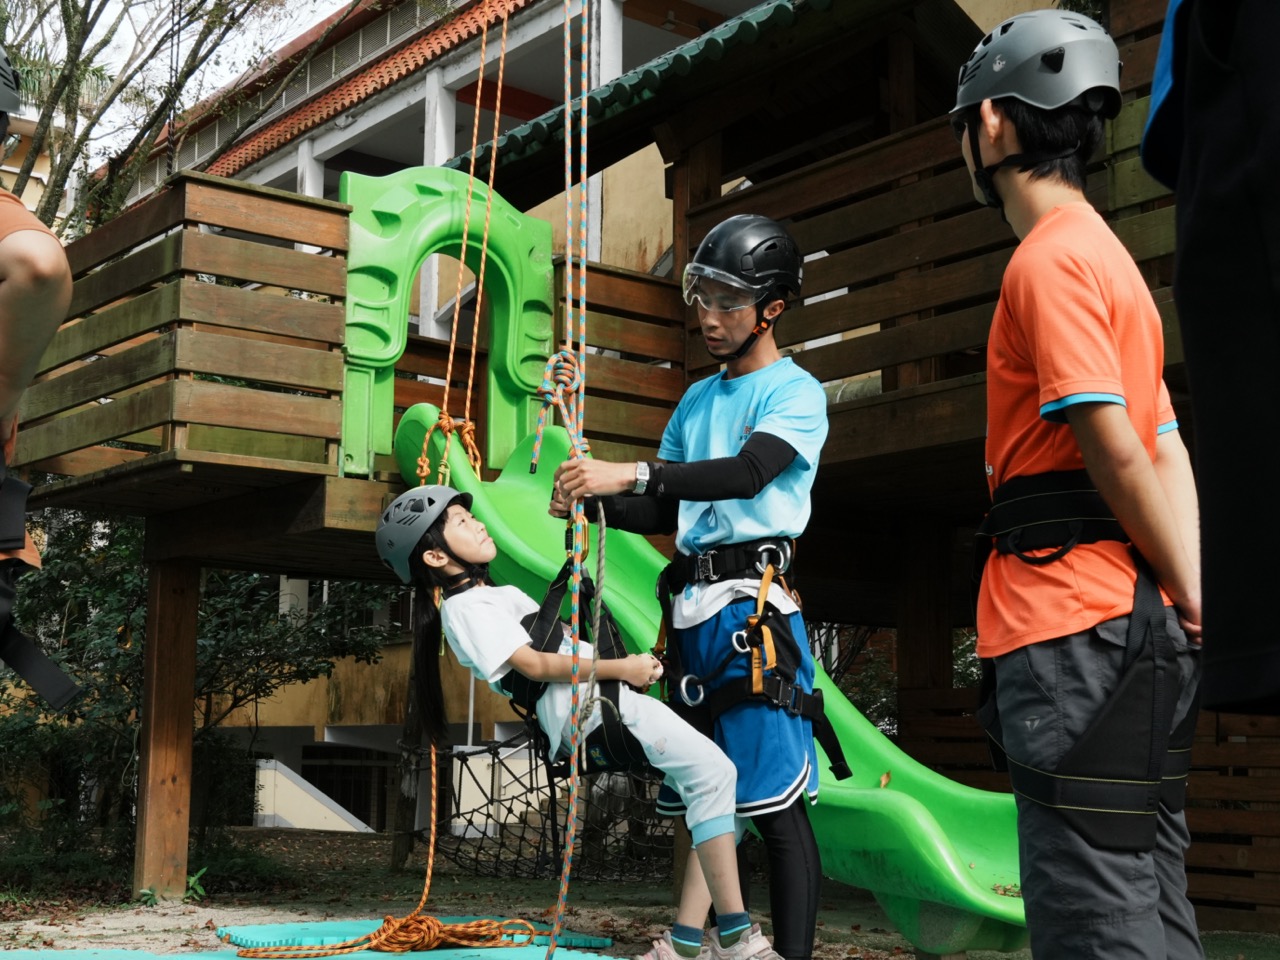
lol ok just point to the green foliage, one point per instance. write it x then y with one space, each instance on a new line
147 897
68 783
1090 8
194 892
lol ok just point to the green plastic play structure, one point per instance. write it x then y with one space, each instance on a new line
932 851
396 223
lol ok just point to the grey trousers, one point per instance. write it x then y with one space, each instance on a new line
1082 901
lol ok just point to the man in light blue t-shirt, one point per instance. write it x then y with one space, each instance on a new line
736 467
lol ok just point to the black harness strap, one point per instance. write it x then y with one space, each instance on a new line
1111 781
1062 509
778 688
18 650
610 746
729 561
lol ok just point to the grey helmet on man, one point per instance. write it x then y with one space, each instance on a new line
410 515
10 95
752 255
1047 59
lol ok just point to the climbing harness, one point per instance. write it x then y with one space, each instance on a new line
17 649
730 561
610 747
1110 783
767 639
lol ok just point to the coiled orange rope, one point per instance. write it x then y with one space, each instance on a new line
417 931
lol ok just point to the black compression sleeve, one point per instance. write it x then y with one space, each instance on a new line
636 514
760 460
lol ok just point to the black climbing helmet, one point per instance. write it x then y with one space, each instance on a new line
747 252
753 261
410 515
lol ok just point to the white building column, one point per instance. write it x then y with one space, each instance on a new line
310 181
310 169
440 120
606 65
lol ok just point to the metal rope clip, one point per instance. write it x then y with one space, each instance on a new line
684 690
783 551
740 641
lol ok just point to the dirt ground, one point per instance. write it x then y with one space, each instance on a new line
347 880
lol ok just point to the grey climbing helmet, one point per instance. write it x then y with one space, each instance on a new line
10 96
1046 58
410 515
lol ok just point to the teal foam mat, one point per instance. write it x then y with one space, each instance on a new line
108 954
328 932
449 953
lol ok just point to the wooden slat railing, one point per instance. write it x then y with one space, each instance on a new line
197 333
632 387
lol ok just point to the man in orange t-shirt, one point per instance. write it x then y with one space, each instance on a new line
35 291
1088 616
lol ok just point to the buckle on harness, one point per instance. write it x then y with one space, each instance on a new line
684 690
705 568
740 641
783 550
787 698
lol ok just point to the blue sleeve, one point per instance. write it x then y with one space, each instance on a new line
797 413
1056 411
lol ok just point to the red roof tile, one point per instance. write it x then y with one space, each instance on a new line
378 76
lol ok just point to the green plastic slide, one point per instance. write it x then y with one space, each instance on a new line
936 854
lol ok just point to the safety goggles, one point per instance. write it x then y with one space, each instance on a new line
717 291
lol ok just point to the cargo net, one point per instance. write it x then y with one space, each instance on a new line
506 818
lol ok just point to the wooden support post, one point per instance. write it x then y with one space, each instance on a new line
924 605
695 180
168 696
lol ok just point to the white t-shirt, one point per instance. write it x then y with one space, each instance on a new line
483 628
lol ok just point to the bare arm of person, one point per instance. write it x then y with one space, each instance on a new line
35 291
1129 483
637 669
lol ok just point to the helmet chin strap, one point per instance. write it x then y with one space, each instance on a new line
763 323
984 176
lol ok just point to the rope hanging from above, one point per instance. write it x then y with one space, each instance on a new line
465 427
564 386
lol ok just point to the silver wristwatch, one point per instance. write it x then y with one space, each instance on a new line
642 477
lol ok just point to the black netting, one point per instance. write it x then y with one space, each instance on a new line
506 818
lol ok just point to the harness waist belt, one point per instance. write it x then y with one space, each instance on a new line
729 561
1061 509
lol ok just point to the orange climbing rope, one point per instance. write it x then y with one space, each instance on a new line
417 931
564 386
465 428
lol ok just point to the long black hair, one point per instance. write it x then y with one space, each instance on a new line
428 640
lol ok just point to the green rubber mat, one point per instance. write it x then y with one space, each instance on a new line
329 932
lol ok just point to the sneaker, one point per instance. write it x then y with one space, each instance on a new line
664 949
752 944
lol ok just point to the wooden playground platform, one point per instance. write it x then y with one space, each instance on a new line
199 383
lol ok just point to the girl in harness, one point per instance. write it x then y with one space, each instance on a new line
430 539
